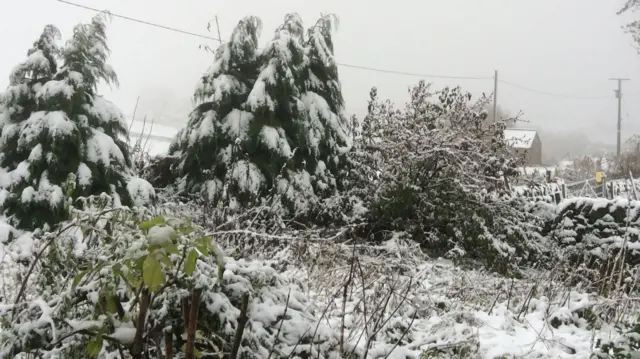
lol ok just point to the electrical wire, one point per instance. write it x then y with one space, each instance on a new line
144 22
552 94
358 67
140 21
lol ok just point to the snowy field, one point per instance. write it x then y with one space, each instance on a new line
451 306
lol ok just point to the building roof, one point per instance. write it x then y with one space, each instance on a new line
519 138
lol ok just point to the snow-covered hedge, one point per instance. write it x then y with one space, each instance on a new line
601 236
538 191
623 188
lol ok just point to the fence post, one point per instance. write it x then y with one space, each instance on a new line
604 187
563 189
611 191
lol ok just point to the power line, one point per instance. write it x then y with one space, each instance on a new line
553 94
359 67
222 41
141 21
414 74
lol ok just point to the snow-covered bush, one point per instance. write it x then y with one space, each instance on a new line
119 283
438 170
269 122
536 191
627 346
158 170
54 124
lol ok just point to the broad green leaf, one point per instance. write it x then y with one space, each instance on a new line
146 225
133 280
190 262
94 346
116 269
78 278
171 248
162 257
203 244
138 264
197 353
152 274
111 303
185 229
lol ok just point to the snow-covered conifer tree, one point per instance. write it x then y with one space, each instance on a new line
210 146
327 136
67 128
28 76
271 125
279 148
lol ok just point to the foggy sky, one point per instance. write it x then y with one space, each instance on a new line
568 47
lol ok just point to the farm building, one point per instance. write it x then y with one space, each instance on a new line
526 142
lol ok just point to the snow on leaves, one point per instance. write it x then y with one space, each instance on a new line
84 300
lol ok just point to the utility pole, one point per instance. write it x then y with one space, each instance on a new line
495 95
619 97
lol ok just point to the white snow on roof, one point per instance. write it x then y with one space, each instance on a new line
519 138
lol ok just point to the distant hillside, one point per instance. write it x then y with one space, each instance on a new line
562 145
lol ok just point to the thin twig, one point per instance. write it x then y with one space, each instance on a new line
284 317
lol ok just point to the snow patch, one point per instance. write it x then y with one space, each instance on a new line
140 191
101 149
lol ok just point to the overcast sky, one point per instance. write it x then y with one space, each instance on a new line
568 47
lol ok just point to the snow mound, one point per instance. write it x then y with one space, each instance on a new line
141 192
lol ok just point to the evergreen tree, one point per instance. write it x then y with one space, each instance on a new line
327 136
278 146
210 143
268 121
27 78
67 129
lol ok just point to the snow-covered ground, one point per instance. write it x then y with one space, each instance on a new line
453 306
432 306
